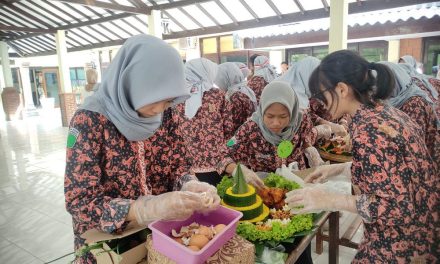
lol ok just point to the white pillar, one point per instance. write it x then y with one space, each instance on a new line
338 25
26 85
6 68
193 52
154 24
275 58
393 50
63 67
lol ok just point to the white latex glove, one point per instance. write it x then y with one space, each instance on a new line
337 129
323 173
250 176
203 187
313 157
324 131
167 206
287 173
316 199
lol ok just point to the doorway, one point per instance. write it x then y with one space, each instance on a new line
51 85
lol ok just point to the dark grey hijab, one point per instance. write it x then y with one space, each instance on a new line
139 75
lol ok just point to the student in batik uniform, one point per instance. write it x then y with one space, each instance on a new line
416 103
264 73
298 78
393 176
205 119
126 159
244 69
242 98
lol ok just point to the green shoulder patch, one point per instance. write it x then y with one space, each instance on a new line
231 142
72 137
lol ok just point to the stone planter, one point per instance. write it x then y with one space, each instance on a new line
12 103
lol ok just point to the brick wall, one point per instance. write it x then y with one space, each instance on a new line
12 103
411 47
68 107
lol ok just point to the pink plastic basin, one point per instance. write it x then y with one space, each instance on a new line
162 241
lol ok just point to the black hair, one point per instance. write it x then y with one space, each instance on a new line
348 67
284 62
252 58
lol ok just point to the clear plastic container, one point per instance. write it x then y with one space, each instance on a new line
163 242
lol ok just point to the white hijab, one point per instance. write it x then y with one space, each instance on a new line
298 78
230 78
139 76
263 68
243 68
200 75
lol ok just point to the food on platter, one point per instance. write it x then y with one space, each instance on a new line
243 197
277 223
337 146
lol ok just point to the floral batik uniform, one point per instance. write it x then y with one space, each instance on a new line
422 86
423 114
242 109
252 149
204 134
397 187
105 172
257 84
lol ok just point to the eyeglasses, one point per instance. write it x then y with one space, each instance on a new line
320 95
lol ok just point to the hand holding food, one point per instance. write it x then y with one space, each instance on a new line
322 173
324 131
250 177
313 157
212 200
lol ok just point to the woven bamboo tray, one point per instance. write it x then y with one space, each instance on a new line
334 157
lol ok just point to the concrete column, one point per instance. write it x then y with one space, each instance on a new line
67 97
63 67
6 68
154 24
275 58
393 50
27 89
193 53
338 25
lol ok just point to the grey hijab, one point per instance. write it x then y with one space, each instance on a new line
230 78
410 60
263 68
423 78
243 68
406 88
200 75
278 92
139 75
298 78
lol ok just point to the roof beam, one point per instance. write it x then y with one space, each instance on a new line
300 6
353 8
191 18
274 8
17 49
227 12
325 4
208 15
250 10
27 29
123 8
177 4
29 16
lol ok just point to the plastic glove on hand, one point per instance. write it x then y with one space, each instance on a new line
206 189
324 131
287 173
315 199
322 173
250 177
338 130
313 157
167 206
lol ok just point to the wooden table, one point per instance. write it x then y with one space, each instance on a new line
333 256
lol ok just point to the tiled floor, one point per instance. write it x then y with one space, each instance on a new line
34 226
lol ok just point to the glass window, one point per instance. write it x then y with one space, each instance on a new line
72 74
209 45
226 44
431 56
80 74
320 52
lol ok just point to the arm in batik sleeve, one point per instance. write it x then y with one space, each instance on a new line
309 134
386 198
240 149
84 194
180 162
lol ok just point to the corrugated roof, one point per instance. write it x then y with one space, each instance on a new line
28 26
369 18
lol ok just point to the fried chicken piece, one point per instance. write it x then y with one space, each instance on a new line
265 194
